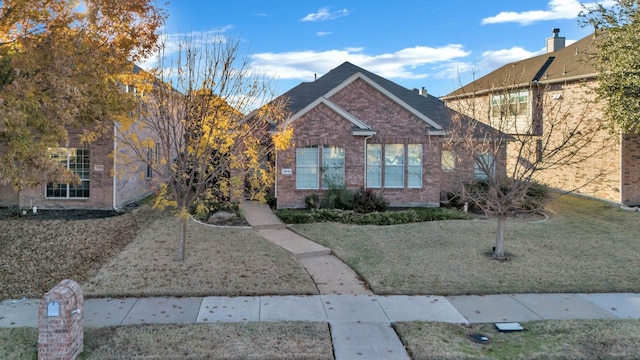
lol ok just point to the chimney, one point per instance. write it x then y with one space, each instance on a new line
423 91
555 42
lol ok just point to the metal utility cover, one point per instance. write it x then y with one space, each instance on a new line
510 326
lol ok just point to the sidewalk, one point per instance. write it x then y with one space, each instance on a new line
360 324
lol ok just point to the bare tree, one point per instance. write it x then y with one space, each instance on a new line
541 132
192 134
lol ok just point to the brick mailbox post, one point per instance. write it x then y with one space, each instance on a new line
60 329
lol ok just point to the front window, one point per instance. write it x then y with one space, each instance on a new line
484 166
374 165
414 159
394 166
76 160
332 167
510 112
448 160
307 168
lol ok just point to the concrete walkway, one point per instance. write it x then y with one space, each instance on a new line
332 276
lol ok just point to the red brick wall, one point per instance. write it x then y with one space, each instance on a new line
393 124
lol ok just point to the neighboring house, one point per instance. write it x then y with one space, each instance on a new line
107 182
532 89
357 130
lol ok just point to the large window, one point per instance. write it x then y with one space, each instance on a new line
484 166
76 160
414 166
394 165
307 168
332 167
374 165
510 112
448 160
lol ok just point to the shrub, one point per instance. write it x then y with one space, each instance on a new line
291 216
311 201
535 198
338 198
366 201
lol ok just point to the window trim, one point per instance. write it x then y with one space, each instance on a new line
316 167
392 166
377 166
448 167
418 166
85 183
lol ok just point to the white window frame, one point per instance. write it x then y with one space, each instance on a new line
394 165
333 167
414 166
82 169
310 170
511 113
488 162
374 166
448 160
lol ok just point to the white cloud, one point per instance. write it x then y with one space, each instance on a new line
495 58
402 64
557 10
325 14
323 33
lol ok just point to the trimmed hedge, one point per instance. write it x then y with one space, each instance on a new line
294 216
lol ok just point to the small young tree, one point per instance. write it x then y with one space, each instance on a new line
191 117
536 135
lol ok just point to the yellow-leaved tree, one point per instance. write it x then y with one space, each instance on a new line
204 150
60 63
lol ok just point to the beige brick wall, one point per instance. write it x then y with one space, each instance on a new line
599 174
631 170
393 124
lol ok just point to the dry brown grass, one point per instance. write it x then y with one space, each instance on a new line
218 261
37 254
586 246
575 339
294 340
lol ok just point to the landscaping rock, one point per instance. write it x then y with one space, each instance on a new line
221 217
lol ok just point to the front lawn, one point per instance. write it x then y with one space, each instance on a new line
585 246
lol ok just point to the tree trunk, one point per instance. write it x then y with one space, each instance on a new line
498 253
182 238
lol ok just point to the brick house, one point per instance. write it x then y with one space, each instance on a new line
107 180
355 129
560 78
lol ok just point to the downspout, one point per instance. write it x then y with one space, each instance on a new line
621 167
115 156
364 186
275 193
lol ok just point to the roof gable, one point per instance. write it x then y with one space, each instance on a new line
305 96
566 64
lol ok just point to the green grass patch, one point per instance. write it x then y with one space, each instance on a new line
585 246
392 217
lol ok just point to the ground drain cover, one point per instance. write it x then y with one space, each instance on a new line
478 338
507 327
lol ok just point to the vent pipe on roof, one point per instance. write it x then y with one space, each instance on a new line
555 42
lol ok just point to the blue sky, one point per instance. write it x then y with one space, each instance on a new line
415 43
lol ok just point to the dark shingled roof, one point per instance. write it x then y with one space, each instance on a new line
306 93
566 64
